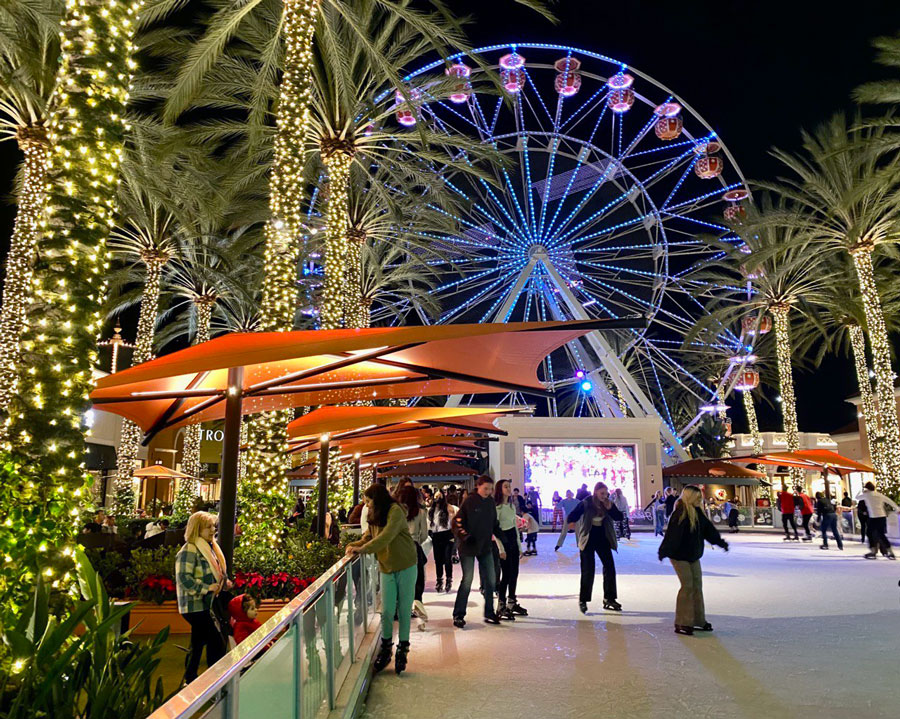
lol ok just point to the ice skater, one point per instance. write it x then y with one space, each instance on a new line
877 524
786 507
623 528
828 520
593 520
807 510
531 529
566 505
507 551
683 545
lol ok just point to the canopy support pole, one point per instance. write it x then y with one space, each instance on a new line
356 481
231 449
322 508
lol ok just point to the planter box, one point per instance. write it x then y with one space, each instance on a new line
148 618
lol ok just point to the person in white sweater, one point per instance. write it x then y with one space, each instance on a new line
877 527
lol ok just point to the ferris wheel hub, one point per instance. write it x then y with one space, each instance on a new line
537 251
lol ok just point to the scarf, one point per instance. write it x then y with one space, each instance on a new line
213 555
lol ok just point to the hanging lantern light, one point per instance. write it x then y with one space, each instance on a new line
621 92
709 164
747 380
568 78
462 89
669 125
751 324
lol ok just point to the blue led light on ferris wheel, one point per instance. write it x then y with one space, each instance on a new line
580 374
587 386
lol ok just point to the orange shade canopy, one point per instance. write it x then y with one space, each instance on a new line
158 470
323 367
406 446
807 459
427 436
342 424
706 469
429 468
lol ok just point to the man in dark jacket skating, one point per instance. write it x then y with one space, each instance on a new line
474 526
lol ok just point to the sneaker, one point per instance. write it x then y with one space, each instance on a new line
612 605
459 622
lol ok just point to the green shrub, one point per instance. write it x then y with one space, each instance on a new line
150 574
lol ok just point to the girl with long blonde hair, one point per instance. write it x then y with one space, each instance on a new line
683 544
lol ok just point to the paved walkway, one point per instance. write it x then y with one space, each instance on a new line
796 630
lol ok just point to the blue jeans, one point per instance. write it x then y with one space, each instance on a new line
486 572
660 521
829 521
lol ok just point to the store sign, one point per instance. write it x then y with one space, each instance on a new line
213 435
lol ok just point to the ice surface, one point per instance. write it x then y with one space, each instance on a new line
797 630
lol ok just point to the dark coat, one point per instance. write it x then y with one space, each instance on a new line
684 544
584 515
475 524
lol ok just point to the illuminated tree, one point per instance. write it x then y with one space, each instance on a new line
86 131
848 200
29 52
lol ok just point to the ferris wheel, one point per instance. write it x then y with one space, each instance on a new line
615 184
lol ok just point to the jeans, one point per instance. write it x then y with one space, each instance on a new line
562 534
442 545
829 521
531 541
659 521
597 543
486 572
507 570
204 633
397 591
789 519
689 608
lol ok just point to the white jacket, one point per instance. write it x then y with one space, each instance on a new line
875 502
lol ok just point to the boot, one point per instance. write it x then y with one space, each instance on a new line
400 659
516 608
439 585
448 587
384 654
504 613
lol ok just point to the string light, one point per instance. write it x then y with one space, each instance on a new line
86 131
356 312
881 364
870 410
338 158
20 258
130 442
780 313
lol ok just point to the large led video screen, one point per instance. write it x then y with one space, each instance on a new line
556 468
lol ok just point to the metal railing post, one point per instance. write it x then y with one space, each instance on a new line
297 631
231 698
329 641
351 641
364 590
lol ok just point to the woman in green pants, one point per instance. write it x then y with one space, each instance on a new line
389 540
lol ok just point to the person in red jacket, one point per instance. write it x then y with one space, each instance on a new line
786 507
243 610
805 504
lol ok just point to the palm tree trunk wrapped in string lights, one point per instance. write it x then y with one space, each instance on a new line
86 132
870 409
780 318
22 250
752 422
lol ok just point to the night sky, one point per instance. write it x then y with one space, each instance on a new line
756 71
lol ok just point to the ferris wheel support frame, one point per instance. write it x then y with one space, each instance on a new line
634 397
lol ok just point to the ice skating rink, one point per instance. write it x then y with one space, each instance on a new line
797 630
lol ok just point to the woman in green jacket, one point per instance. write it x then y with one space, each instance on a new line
388 538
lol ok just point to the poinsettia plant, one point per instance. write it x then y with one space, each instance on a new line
156 588
279 585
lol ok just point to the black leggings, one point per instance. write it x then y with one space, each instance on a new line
420 576
806 520
507 570
597 543
442 544
204 633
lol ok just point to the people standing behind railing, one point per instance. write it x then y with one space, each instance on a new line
875 505
623 527
418 530
566 506
786 507
596 532
669 500
200 574
440 516
862 514
828 520
683 545
507 551
388 538
734 516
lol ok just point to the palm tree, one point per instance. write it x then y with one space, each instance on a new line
783 276
882 92
29 52
848 201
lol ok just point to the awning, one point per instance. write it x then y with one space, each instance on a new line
810 459
324 367
158 470
712 471
430 469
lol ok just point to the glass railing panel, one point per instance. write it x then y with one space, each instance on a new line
357 571
342 658
314 674
372 586
267 688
